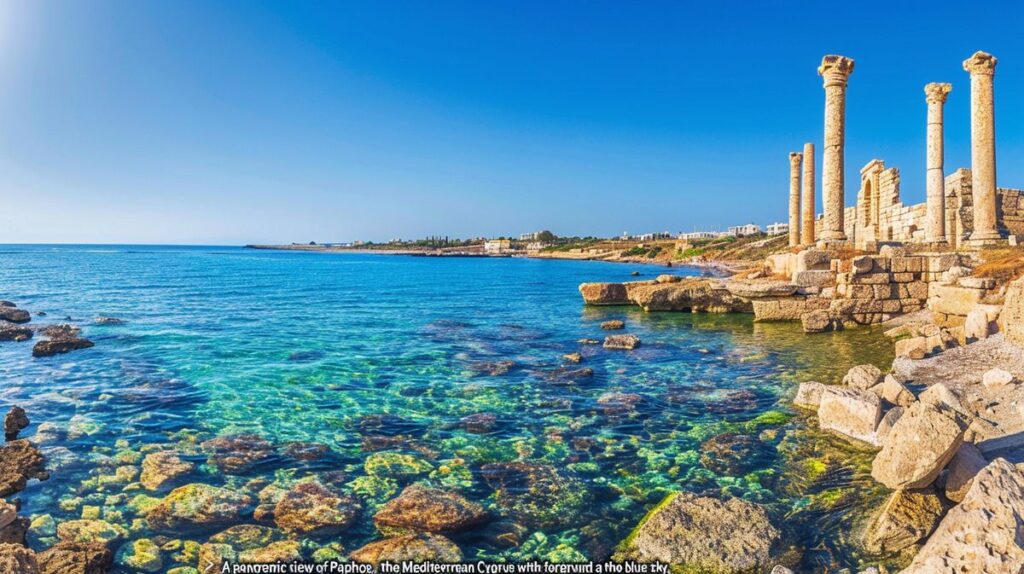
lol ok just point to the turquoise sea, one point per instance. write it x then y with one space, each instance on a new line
362 369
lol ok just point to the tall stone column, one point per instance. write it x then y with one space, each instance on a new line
935 96
807 197
835 70
982 68
794 198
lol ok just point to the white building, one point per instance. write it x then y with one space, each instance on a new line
700 235
742 230
497 246
777 228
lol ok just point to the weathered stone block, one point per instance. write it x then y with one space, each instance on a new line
918 447
809 395
814 278
1011 319
953 299
851 412
813 260
873 279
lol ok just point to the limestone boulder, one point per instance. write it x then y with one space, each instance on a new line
697 295
885 425
997 378
818 321
421 509
808 395
915 348
412 548
982 534
966 464
604 294
894 392
978 325
761 289
14 315
863 377
613 325
906 518
918 447
813 260
702 534
14 422
851 412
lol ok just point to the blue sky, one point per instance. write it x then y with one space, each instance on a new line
234 122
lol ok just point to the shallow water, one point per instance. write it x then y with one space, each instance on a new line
355 351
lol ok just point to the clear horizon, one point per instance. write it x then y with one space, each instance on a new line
228 123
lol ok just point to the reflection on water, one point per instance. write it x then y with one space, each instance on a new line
375 372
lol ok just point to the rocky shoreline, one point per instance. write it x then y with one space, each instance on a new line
945 423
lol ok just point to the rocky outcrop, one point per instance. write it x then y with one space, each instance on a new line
981 535
851 412
19 462
14 315
919 445
412 548
421 509
14 422
604 294
161 468
863 377
613 325
198 505
808 395
76 558
15 333
312 509
700 534
761 289
907 517
16 559
691 295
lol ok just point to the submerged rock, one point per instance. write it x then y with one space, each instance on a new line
492 368
537 494
280 551
161 468
109 321
396 465
19 462
60 346
613 325
246 536
704 535
141 555
919 445
89 531
907 517
312 509
981 535
198 505
235 454
479 423
76 558
15 421
731 454
421 509
412 548
618 403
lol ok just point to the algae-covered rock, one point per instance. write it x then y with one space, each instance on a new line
907 517
235 454
199 505
245 536
731 454
280 551
412 548
420 509
398 466
141 555
312 509
704 535
537 494
90 531
161 468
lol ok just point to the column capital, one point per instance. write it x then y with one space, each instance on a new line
795 157
835 70
937 92
981 63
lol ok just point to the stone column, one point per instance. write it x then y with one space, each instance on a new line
982 68
794 198
807 197
935 96
835 70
